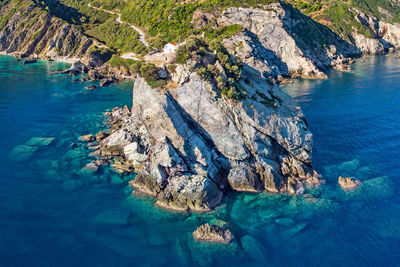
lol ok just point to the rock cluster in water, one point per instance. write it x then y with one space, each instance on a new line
189 145
348 183
212 233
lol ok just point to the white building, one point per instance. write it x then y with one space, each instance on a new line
170 48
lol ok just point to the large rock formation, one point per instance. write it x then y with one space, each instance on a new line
189 144
280 41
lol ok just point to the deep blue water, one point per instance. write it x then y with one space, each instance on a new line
50 215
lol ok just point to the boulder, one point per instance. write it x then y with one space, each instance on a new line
212 233
348 183
86 138
108 81
115 143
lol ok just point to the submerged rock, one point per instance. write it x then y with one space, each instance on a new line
348 183
22 153
254 249
89 169
212 233
40 141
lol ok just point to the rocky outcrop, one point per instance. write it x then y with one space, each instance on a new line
30 31
386 35
280 41
190 144
348 183
212 233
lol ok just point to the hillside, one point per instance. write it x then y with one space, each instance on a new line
325 33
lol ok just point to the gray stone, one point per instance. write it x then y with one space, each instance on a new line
244 178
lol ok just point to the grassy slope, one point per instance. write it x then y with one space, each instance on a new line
338 14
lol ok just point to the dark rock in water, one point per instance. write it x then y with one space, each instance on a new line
212 233
91 87
73 145
348 183
76 80
108 81
76 69
87 138
30 61
95 75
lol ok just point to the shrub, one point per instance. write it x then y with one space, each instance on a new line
171 68
149 72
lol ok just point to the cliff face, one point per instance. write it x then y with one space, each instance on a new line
387 35
31 32
190 145
280 41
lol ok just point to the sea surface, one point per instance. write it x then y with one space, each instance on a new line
52 214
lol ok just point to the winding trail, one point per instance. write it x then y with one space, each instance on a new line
142 35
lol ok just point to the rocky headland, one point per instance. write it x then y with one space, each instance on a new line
216 121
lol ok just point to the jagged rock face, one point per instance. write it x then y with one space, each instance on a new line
275 42
191 145
387 35
32 32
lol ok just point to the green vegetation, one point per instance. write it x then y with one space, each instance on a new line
308 6
117 61
215 65
101 52
223 32
149 72
119 37
192 46
169 19
340 16
343 21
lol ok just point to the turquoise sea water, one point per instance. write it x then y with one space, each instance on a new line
51 215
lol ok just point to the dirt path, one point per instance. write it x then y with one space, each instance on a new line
142 35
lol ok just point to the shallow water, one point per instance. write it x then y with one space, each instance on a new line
50 215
